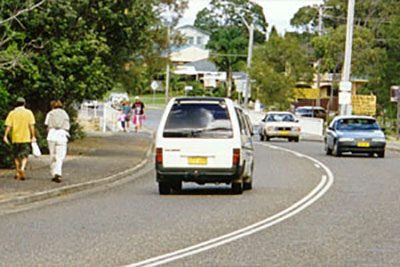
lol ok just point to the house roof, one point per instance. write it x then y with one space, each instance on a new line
189 54
187 26
239 75
202 65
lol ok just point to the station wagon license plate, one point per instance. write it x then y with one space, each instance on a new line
197 160
363 144
284 133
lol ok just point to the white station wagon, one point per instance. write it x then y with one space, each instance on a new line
280 124
204 140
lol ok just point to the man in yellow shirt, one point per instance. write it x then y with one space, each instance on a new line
21 122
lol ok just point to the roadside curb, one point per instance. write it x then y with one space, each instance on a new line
44 195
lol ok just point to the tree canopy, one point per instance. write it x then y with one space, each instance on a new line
277 66
226 21
376 53
75 50
228 13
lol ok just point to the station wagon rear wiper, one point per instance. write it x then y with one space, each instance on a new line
178 133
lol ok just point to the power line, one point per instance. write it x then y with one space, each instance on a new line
227 55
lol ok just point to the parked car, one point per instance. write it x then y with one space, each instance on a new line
280 125
311 112
204 140
355 134
115 99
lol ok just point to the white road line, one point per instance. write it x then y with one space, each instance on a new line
317 166
324 185
298 154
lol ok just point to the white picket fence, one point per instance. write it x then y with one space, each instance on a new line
109 119
102 115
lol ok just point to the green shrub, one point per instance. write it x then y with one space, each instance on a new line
6 159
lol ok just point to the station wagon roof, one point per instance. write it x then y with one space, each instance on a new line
202 98
279 112
310 107
353 117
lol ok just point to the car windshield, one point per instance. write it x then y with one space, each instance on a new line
198 120
357 124
303 110
280 117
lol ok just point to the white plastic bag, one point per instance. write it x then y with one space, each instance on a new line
36 150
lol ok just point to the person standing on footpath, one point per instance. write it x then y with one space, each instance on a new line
58 125
21 122
126 110
138 113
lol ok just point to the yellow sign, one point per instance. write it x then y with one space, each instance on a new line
305 93
364 105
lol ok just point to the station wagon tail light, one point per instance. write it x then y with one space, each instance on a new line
236 156
297 129
159 155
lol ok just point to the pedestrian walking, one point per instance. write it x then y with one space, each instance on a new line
122 121
21 123
126 110
58 125
138 113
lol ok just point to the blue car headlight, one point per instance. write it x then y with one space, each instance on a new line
379 139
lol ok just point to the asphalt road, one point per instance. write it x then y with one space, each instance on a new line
355 222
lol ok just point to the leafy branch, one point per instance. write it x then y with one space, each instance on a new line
22 11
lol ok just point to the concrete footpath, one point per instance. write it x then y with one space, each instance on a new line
95 160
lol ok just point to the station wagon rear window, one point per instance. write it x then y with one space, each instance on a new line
357 124
198 120
280 117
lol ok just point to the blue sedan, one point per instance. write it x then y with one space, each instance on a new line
355 134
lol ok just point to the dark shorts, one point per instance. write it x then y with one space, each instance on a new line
21 150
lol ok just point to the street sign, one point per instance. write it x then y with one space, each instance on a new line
344 98
154 85
345 86
240 86
395 93
364 105
188 88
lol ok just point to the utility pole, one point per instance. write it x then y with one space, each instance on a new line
320 14
321 9
168 68
398 118
250 28
345 86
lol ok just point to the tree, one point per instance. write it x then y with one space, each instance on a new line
228 13
74 50
376 51
278 65
306 18
229 34
228 46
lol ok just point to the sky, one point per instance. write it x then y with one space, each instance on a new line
277 12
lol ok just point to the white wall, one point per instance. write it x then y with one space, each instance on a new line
313 126
195 35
